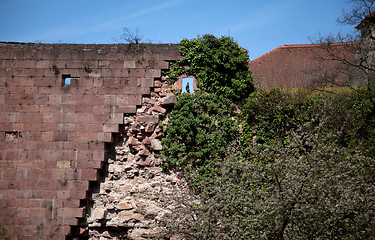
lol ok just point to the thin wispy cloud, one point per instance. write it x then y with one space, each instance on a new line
75 29
260 18
137 14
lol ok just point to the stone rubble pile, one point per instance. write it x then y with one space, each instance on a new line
129 201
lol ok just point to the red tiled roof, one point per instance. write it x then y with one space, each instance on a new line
369 18
301 65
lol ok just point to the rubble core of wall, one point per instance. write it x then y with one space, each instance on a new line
128 202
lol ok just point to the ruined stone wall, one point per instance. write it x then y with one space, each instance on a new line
57 140
363 70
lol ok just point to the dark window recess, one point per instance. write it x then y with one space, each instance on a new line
68 80
13 136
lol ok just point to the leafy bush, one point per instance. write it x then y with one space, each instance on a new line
220 66
203 126
310 188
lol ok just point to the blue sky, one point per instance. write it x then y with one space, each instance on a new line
257 25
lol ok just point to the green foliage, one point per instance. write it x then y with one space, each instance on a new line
203 127
269 115
200 131
219 64
306 172
285 166
326 193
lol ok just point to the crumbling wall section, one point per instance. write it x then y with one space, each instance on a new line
129 202
60 107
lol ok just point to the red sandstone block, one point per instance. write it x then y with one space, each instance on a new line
63 194
36 73
161 64
92 127
109 99
153 73
137 73
84 155
51 155
78 194
43 84
101 118
32 117
12 145
45 185
36 156
82 136
104 136
6 127
90 99
20 72
21 174
122 100
117 118
12 155
8 174
147 82
40 99
79 185
47 136
135 90
88 174
84 108
121 73
43 64
27 82
54 99
98 82
28 145
68 99
134 100
46 193
36 212
60 136
31 90
11 194
13 117
108 127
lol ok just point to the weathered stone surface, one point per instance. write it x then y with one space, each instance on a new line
126 216
149 119
158 109
132 141
156 144
124 206
99 213
170 99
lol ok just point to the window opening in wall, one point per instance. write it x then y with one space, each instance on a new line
187 85
66 79
13 136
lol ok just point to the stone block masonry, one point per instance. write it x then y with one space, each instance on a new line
60 107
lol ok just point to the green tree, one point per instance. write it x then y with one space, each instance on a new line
203 126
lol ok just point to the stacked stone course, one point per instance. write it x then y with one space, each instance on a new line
54 137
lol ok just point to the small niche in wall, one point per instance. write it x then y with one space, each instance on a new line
187 85
13 136
66 80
